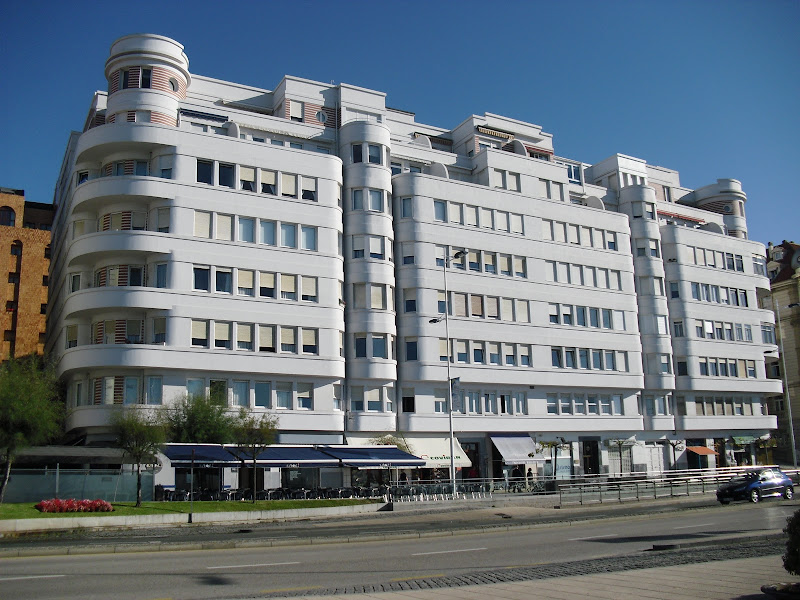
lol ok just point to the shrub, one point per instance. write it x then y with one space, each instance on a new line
57 505
791 560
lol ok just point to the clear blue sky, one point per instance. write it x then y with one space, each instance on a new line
710 89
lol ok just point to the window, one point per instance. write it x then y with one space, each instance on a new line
296 111
308 237
289 235
357 398
205 171
224 228
440 210
309 289
241 393
223 279
244 336
305 396
406 208
288 185
247 230
309 188
267 233
222 335
288 286
200 333
410 300
379 347
556 357
245 282
268 182
411 348
266 285
376 200
374 154
283 395
357 150
202 279
288 339
131 390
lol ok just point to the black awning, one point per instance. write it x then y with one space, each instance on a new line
180 455
373 456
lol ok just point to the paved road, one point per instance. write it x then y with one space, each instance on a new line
556 549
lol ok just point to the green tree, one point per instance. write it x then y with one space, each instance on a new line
30 412
200 420
252 434
140 435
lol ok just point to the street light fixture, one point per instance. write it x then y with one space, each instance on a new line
445 266
786 379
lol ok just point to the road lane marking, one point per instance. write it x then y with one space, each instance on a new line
280 564
691 526
448 551
594 537
418 577
30 577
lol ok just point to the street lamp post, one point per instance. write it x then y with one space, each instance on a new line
786 379
445 266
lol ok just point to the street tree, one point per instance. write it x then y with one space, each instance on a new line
252 434
30 412
200 420
675 445
392 440
140 434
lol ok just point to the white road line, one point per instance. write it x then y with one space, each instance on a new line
594 537
448 551
280 564
691 526
30 577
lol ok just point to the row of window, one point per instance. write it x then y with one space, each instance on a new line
117 389
466 214
584 404
379 345
254 337
721 295
368 153
225 227
279 395
598 277
373 246
369 199
587 316
286 286
580 235
481 261
715 406
725 367
485 353
589 358
379 296
252 179
717 330
705 257
267 138
475 305
483 402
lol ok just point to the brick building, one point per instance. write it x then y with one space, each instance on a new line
25 238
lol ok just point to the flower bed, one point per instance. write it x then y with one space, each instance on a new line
56 505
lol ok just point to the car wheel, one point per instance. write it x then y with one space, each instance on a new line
755 496
788 493
724 502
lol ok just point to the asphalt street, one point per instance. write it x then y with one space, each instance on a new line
441 558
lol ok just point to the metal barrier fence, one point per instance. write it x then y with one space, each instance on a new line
667 485
112 485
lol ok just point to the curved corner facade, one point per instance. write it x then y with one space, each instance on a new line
286 250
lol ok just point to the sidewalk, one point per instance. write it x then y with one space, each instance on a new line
737 579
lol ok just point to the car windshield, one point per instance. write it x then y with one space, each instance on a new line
744 477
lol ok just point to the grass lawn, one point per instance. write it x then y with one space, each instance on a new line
27 510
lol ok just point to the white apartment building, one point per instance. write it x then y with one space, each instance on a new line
287 250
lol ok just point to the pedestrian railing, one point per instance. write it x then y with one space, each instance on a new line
667 485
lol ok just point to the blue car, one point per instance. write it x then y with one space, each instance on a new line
755 485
